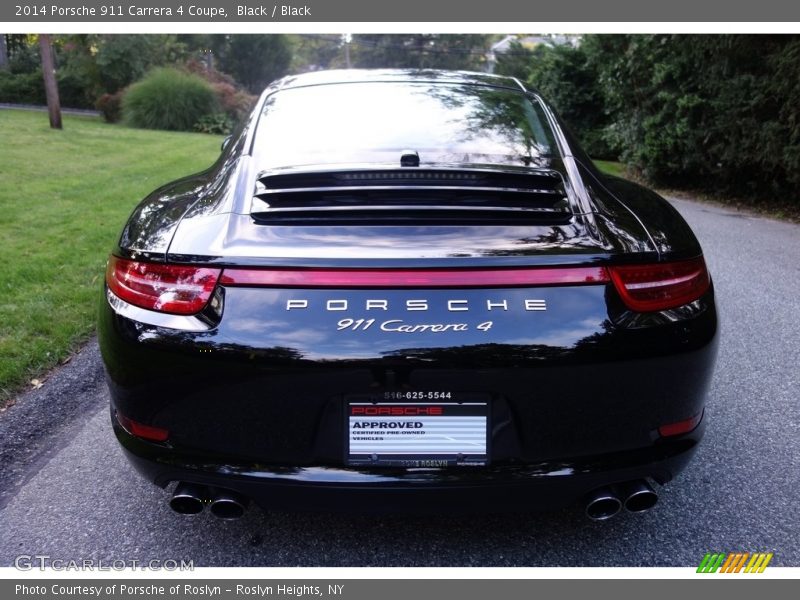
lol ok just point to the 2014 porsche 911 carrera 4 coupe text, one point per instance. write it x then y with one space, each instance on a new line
407 290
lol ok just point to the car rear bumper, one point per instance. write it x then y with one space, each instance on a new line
546 485
269 422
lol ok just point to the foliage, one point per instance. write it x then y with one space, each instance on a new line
123 59
110 106
53 252
419 51
255 60
23 53
315 52
233 100
719 113
168 98
567 79
77 71
22 88
216 123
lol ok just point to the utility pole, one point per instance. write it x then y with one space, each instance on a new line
50 83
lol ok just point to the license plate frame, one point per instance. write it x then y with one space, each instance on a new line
417 433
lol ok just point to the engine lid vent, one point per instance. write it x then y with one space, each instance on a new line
411 195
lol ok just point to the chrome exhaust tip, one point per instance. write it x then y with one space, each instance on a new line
227 504
602 504
639 496
188 498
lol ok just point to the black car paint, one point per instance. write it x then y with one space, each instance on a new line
266 419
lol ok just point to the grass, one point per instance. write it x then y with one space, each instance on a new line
64 196
610 168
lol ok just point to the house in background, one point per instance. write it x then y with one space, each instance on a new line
529 41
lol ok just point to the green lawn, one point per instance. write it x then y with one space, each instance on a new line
610 167
64 196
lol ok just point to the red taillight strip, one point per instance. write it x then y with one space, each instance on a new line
665 283
412 278
681 427
146 432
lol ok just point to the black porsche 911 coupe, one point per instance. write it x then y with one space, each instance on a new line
407 290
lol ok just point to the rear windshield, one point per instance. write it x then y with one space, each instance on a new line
376 122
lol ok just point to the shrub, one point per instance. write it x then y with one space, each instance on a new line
168 99
232 99
216 123
28 88
75 91
714 112
110 106
22 88
235 102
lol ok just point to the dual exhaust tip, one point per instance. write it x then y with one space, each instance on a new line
191 499
603 503
635 496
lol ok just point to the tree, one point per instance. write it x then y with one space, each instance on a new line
123 59
314 52
50 83
3 52
569 81
419 51
255 60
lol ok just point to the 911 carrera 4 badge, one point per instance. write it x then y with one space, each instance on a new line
452 305
400 326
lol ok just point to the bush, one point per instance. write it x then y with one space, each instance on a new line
233 100
22 88
715 112
168 99
217 123
110 106
75 91
28 88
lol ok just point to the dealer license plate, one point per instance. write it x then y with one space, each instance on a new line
417 434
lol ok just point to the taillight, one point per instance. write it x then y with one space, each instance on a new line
653 287
146 432
681 427
177 289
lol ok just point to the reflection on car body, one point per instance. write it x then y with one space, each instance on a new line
423 242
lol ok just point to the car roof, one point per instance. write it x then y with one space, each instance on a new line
396 75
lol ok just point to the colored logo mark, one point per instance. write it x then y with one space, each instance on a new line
735 562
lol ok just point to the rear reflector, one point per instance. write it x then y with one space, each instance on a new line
176 289
146 432
653 287
680 427
407 278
